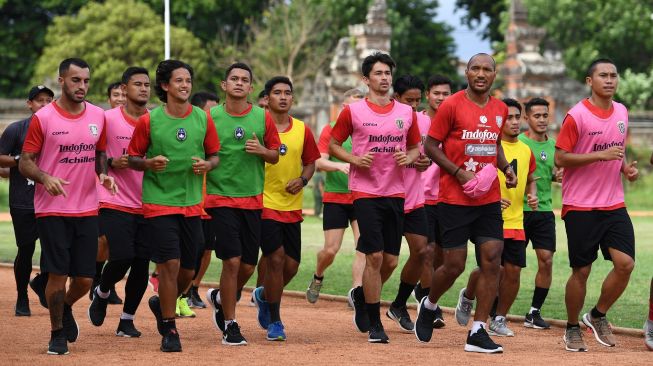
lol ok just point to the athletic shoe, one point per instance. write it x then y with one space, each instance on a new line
439 319
38 284
498 327
232 336
424 322
313 291
377 334
648 334
96 283
22 306
573 339
601 329
481 342
183 311
70 326
463 309
114 299
97 311
170 341
58 344
263 315
127 329
361 319
401 316
194 299
153 282
155 306
534 320
275 332
218 315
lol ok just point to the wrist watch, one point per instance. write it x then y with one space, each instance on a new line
109 162
16 158
304 181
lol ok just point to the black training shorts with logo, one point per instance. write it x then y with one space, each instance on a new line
380 221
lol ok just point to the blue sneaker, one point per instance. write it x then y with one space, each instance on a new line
263 308
275 332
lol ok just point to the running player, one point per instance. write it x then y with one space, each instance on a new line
385 139
591 148
115 95
408 90
338 209
21 196
170 144
539 224
235 194
261 101
282 205
468 125
121 215
66 139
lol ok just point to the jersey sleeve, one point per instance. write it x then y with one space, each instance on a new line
441 123
310 153
34 139
413 137
271 138
532 165
211 139
568 136
325 137
102 141
9 140
343 128
141 137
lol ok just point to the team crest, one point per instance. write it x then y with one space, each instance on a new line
499 121
93 129
181 134
483 119
622 127
283 149
543 155
239 133
400 123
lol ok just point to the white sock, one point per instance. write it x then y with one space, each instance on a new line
101 294
429 305
125 316
533 309
499 317
476 325
227 322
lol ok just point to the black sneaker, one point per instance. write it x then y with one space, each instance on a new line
155 306
481 342
377 334
97 311
439 319
401 316
218 315
114 299
534 320
22 306
232 336
170 341
424 322
361 319
194 299
38 284
127 329
58 344
70 326
96 283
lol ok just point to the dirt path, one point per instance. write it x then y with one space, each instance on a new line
321 333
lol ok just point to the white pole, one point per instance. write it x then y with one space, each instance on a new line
166 20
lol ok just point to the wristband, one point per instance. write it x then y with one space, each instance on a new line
456 172
304 181
109 162
505 168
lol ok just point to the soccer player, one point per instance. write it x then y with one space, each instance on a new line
408 90
234 194
539 224
121 215
261 101
115 95
468 125
64 153
282 205
21 196
591 149
175 145
385 139
338 208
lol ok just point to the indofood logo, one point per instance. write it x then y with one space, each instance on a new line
386 139
480 135
76 148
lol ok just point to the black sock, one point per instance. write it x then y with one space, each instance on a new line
423 292
23 268
98 270
493 311
374 312
569 325
136 285
274 312
402 294
113 272
359 294
539 295
596 314
319 278
169 324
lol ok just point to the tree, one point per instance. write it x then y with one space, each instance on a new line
635 89
113 36
478 9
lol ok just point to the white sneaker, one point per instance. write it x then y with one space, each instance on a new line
498 327
648 334
463 309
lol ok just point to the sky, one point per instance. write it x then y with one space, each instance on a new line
468 42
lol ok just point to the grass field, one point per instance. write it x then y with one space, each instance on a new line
629 311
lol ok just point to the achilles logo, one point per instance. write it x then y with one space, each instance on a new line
76 148
386 138
479 135
77 160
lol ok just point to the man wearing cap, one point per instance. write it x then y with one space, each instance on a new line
21 196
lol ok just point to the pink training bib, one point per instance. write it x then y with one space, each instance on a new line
431 176
413 179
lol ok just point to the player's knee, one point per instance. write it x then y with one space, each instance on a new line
624 267
453 269
374 260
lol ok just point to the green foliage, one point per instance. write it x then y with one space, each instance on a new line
113 36
477 10
635 89
4 194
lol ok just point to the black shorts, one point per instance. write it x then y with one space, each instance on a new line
275 234
380 221
458 224
127 234
540 229
587 231
238 233
24 222
514 252
209 235
434 224
175 237
68 245
415 222
337 216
